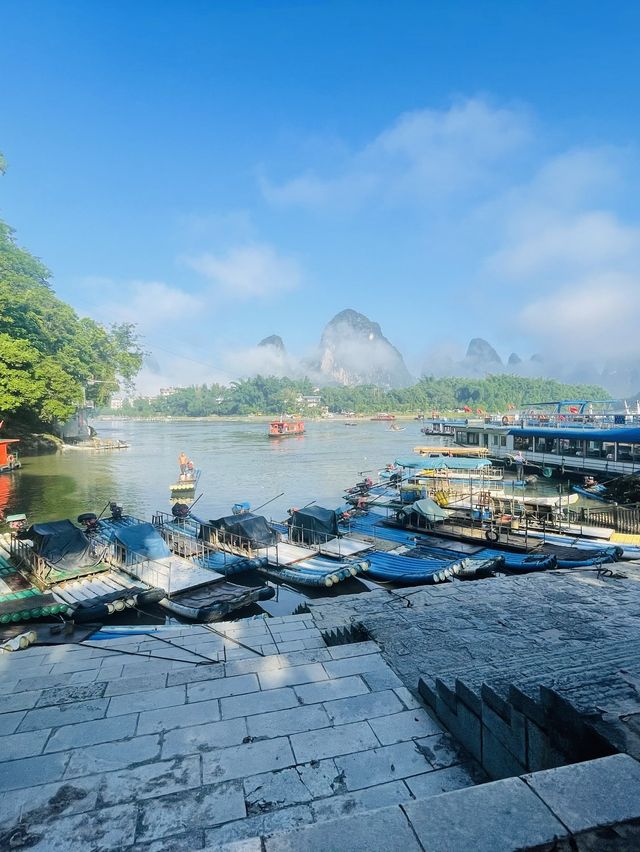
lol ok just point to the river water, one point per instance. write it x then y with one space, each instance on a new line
239 462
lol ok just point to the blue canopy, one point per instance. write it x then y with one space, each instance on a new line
624 435
415 462
143 539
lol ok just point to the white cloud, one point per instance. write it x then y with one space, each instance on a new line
255 270
149 304
424 154
548 242
593 317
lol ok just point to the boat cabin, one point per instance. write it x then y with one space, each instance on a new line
576 441
280 428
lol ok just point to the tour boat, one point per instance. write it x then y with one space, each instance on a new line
281 428
384 416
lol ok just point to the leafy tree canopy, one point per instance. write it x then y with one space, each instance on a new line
274 396
51 359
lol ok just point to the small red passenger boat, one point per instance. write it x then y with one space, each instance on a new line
280 428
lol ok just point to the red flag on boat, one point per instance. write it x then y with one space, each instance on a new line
573 409
466 409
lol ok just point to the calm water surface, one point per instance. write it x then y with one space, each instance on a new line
238 462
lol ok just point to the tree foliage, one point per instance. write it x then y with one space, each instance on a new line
51 359
274 396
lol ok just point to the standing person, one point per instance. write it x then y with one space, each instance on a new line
519 460
183 461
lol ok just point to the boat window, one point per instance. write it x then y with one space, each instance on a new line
473 438
523 443
609 450
571 447
495 440
545 445
503 440
594 449
628 452
461 437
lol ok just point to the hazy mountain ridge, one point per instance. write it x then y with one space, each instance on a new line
353 350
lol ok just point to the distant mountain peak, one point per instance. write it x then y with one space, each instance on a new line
480 350
353 350
273 340
514 359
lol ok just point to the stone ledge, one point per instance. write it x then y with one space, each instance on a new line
598 800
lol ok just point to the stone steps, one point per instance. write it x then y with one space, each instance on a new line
575 806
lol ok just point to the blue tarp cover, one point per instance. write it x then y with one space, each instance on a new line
428 508
143 539
61 543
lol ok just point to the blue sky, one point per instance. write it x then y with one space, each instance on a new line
222 171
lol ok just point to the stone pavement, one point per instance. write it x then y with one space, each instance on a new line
309 732
527 672
136 743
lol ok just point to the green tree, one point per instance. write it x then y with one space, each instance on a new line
49 357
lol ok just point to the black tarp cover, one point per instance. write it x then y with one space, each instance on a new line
61 543
254 529
313 525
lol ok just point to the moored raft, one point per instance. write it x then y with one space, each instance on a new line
42 589
193 591
245 541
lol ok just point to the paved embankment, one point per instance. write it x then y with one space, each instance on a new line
270 739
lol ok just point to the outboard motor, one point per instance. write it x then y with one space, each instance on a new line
116 511
180 511
89 521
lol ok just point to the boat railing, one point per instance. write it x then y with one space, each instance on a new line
151 571
623 519
183 538
23 554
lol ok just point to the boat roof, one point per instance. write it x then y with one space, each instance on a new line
624 435
9 440
454 463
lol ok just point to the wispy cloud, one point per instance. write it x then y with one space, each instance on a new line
149 304
551 243
424 154
251 271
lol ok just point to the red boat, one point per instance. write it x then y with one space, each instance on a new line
8 457
280 428
384 416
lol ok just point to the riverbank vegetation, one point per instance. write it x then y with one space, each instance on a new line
52 360
275 396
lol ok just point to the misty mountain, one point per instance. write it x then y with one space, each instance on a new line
274 341
480 359
354 351
514 359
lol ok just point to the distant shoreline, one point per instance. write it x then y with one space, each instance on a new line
248 418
